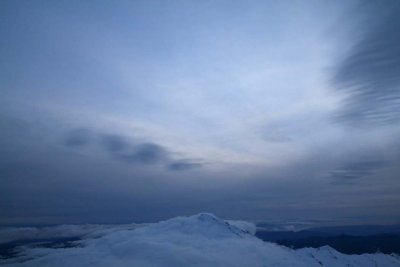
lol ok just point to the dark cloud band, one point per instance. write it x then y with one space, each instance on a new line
122 149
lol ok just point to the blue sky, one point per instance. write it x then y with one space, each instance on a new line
116 111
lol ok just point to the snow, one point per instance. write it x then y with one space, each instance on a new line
199 240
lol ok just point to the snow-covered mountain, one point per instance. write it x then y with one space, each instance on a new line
199 240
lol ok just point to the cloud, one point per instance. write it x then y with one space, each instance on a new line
183 165
38 234
78 137
353 171
146 153
199 240
276 135
113 143
370 74
119 147
130 151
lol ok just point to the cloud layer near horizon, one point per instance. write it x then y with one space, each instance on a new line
199 240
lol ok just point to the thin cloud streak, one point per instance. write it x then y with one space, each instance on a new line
183 165
370 74
352 172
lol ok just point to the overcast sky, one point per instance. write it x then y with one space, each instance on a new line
121 111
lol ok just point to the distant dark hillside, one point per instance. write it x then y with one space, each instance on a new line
287 235
350 244
358 230
346 239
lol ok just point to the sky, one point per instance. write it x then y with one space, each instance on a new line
138 111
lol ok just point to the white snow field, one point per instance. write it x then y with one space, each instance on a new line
199 240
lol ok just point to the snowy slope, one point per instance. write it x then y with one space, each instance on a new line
199 240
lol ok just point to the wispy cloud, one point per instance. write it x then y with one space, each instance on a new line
370 74
129 151
352 172
146 153
183 165
78 137
114 143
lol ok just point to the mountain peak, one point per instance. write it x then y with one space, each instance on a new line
204 225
